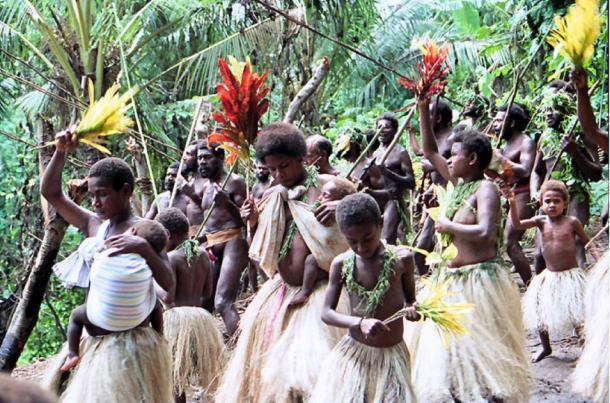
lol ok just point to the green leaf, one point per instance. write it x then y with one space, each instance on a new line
467 19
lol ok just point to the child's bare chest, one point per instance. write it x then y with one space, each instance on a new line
559 235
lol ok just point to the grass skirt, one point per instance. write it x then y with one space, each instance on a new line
196 346
489 361
279 351
355 372
553 301
131 366
590 378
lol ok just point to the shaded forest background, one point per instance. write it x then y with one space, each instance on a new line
170 49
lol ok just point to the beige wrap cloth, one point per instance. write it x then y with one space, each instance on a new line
323 242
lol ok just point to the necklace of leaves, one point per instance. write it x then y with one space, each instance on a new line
460 194
191 250
310 181
371 299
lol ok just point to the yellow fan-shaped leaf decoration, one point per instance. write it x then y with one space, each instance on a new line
576 32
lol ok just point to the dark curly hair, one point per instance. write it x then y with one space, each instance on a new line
444 110
114 170
357 209
174 221
517 114
217 151
280 138
321 143
390 117
474 141
154 233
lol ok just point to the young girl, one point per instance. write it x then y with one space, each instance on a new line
371 363
109 363
488 363
554 300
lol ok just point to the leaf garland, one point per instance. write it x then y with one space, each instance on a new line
370 298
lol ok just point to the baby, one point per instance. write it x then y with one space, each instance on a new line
334 190
121 295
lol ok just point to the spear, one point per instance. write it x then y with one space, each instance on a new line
188 141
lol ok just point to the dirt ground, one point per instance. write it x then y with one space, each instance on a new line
550 378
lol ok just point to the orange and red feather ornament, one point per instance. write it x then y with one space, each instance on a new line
432 71
242 95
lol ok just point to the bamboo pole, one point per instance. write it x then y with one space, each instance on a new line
188 141
601 231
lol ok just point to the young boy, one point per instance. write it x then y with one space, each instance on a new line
333 190
121 296
196 344
554 300
371 363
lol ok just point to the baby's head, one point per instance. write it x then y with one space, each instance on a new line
336 189
360 221
153 232
554 198
176 224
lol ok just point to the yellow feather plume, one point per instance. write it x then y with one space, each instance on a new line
104 118
575 34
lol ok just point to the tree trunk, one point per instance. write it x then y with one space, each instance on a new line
25 316
308 89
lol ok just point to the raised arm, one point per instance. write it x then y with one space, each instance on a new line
430 148
586 116
414 143
514 212
50 184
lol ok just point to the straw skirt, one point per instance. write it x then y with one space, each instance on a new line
488 362
131 366
196 346
357 373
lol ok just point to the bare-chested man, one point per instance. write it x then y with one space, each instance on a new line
193 187
441 117
576 167
223 231
262 180
319 150
517 159
397 173
181 201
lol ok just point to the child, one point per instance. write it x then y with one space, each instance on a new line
554 300
371 363
489 362
196 344
335 189
122 294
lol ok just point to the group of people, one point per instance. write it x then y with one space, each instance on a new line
329 252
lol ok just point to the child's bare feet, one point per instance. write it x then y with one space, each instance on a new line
542 353
300 298
70 363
